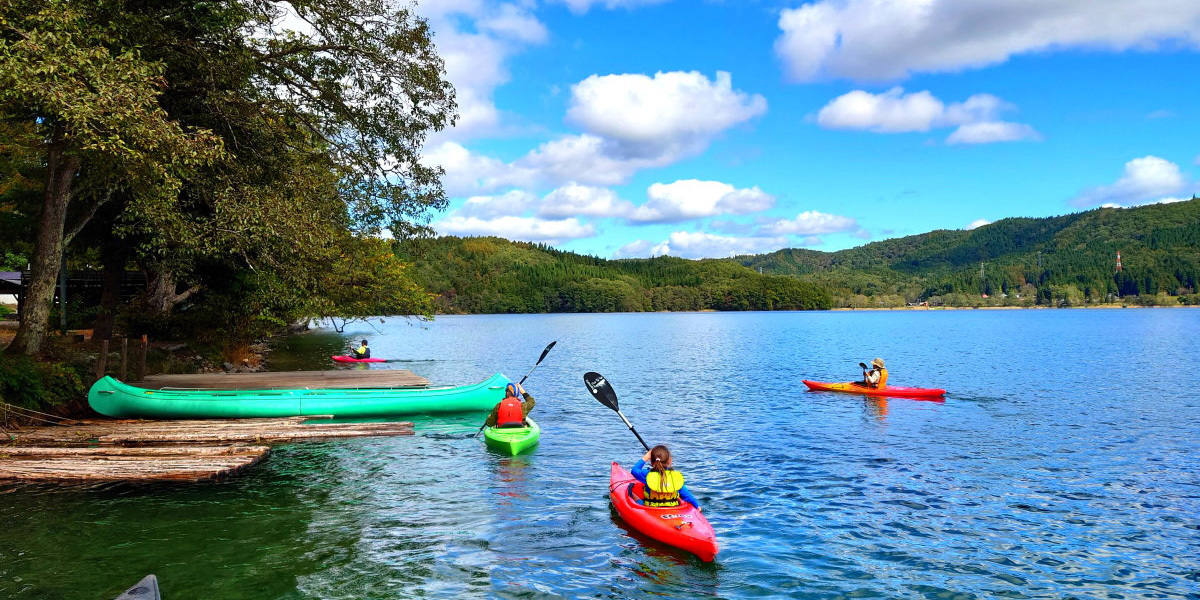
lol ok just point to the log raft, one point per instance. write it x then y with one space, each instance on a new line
191 450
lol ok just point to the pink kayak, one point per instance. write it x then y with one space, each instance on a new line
891 390
351 359
681 526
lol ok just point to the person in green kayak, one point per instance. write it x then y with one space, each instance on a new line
513 409
877 376
664 485
361 352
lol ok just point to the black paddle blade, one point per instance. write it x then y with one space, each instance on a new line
600 389
546 351
863 365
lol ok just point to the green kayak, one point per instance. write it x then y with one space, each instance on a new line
513 440
115 399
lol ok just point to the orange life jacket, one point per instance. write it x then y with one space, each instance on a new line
510 413
882 380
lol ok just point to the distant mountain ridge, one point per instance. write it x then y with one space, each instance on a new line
1064 260
1068 260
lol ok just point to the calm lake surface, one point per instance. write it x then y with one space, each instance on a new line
1063 463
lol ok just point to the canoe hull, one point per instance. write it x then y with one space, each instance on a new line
680 526
119 400
891 390
513 440
351 359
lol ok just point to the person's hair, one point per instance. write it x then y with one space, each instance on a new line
660 461
364 342
511 390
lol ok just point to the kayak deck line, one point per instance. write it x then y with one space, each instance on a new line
179 451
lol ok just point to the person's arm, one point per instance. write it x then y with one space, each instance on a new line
686 495
493 418
640 470
527 405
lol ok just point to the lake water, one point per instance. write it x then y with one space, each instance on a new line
1061 464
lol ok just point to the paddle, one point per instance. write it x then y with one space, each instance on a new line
535 365
598 385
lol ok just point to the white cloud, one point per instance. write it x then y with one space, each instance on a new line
587 159
890 112
574 200
476 39
1147 179
894 111
890 39
470 173
810 223
671 109
687 244
528 229
582 6
995 131
977 223
694 199
511 203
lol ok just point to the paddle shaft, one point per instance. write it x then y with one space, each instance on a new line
630 426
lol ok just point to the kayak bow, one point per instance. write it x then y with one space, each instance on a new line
891 390
351 359
682 526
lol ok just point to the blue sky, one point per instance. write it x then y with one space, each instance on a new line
633 128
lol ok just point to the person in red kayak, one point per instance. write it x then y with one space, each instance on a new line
361 352
877 376
511 411
664 485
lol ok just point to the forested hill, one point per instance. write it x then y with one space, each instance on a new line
494 275
1055 261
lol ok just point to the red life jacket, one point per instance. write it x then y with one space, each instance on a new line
510 413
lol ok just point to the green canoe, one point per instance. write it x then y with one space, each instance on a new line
513 440
115 399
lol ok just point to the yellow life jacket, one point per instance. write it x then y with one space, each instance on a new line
663 491
882 379
361 350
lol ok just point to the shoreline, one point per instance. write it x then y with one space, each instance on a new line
1087 307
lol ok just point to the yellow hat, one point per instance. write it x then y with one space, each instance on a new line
877 363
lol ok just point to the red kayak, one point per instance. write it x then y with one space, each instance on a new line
351 359
892 390
681 526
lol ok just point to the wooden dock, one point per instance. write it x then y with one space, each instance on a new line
340 379
192 450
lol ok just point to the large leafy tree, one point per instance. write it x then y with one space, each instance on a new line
318 108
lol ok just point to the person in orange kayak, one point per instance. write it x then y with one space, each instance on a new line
877 376
361 352
664 485
511 411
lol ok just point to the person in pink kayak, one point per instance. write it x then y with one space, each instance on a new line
361 352
664 485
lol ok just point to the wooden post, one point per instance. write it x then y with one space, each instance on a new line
102 360
124 356
141 370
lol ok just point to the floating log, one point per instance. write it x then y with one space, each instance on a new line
290 380
206 431
180 463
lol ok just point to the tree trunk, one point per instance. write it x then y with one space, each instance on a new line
114 255
47 249
161 296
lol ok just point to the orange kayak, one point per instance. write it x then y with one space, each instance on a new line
855 387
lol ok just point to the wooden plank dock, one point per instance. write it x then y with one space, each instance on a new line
184 450
179 463
339 379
